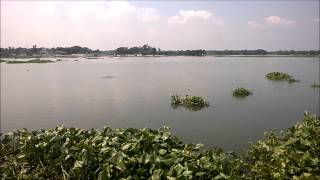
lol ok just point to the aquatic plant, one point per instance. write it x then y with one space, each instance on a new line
73 153
241 92
279 76
190 102
294 154
30 61
315 85
92 58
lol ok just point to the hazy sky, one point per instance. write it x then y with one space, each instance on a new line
269 25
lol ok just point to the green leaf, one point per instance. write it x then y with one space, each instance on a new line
200 173
145 158
162 151
171 178
126 146
78 164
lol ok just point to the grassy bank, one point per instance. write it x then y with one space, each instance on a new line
73 153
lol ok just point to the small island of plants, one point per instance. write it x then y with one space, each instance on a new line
279 76
189 102
74 153
241 92
30 61
315 85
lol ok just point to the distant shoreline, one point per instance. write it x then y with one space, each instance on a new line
124 56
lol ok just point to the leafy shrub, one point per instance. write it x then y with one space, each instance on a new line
190 102
279 76
241 92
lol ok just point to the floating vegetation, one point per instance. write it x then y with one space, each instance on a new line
30 61
294 154
315 85
241 92
279 76
107 77
92 58
73 153
190 102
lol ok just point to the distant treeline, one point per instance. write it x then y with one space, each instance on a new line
34 51
263 52
142 51
148 50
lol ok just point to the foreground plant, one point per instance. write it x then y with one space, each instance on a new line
292 154
279 76
30 61
241 92
190 102
73 153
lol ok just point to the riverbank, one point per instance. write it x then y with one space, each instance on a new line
143 56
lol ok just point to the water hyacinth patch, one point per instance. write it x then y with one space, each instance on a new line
293 154
279 76
315 85
73 153
241 92
189 102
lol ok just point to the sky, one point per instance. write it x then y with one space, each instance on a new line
175 25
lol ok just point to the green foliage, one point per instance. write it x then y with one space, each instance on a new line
241 92
189 102
72 153
292 154
279 76
261 52
315 85
30 61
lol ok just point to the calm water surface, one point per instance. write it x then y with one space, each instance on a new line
135 92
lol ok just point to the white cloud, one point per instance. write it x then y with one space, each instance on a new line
187 16
94 24
149 15
253 24
276 20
